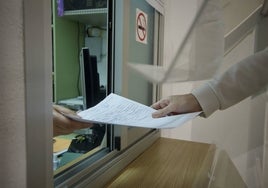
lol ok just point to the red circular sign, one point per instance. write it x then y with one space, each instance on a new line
141 26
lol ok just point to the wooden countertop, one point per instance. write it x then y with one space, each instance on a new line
169 163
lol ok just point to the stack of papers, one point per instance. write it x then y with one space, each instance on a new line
117 110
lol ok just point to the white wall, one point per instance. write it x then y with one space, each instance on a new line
12 104
25 91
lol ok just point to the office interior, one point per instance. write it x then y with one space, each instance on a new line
41 65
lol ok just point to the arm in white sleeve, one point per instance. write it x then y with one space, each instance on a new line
239 82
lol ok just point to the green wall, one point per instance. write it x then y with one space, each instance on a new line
68 38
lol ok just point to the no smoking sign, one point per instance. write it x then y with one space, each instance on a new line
141 26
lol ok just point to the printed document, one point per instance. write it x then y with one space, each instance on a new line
117 110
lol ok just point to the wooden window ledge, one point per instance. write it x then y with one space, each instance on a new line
176 163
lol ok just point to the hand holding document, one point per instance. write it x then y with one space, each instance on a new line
118 110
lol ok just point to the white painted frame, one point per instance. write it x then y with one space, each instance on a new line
38 81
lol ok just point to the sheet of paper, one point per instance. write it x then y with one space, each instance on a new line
118 110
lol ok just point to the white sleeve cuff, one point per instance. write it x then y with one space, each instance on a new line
207 99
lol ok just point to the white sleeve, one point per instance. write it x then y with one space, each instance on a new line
239 82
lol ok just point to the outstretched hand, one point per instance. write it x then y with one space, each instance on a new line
176 104
63 125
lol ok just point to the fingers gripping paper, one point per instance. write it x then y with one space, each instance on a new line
193 42
118 110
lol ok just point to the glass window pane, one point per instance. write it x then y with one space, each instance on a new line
80 47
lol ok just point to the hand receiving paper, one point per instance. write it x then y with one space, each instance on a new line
62 124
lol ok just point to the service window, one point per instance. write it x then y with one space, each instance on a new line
107 34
